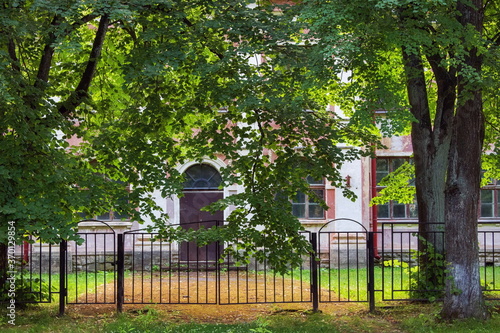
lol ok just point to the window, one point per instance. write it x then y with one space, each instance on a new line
490 200
305 207
393 209
202 176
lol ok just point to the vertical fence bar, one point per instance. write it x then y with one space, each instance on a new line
63 251
371 272
218 254
121 271
314 272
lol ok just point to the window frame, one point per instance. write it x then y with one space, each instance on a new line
410 210
494 187
198 173
309 205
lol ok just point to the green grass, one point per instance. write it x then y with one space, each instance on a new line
389 317
351 284
404 317
78 283
391 283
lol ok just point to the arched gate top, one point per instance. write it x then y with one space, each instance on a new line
342 219
99 221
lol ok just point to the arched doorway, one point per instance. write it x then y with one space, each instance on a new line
201 188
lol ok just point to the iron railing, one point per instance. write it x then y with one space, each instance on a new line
139 267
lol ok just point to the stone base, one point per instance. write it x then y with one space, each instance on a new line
348 258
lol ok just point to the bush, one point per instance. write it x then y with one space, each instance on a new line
28 289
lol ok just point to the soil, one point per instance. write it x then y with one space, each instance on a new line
261 295
215 313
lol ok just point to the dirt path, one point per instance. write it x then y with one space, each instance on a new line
216 313
183 290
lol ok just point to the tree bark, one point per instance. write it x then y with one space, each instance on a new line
464 298
430 148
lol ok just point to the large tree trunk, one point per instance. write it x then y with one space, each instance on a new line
430 178
430 147
464 298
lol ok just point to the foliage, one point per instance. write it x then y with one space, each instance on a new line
428 283
399 186
95 95
28 289
428 64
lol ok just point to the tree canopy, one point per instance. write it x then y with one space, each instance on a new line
428 64
97 94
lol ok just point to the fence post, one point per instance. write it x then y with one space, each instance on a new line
371 271
63 252
121 273
314 272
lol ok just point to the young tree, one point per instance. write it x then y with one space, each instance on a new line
435 49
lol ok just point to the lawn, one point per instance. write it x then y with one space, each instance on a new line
403 317
334 317
391 283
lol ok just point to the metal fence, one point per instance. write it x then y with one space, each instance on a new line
408 259
163 272
139 267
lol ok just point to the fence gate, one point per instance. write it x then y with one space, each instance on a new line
345 262
152 270
258 282
90 267
139 267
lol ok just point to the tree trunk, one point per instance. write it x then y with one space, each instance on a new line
430 179
464 298
430 147
4 266
430 176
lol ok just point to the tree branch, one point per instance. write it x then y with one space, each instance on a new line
446 80
217 53
48 52
492 126
12 54
83 20
129 30
42 76
416 87
82 89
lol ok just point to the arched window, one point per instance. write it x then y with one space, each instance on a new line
202 176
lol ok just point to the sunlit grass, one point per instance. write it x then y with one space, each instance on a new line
404 317
80 286
391 283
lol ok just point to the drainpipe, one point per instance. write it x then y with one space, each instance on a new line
26 249
374 207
